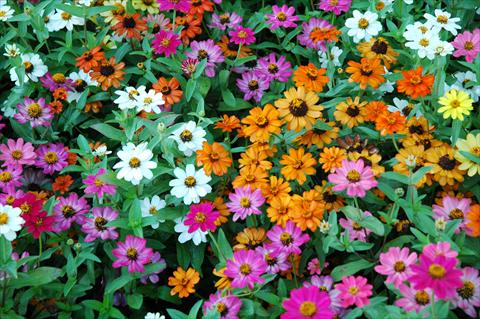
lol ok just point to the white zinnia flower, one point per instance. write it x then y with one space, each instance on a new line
11 50
443 48
6 12
416 30
63 19
80 81
126 99
425 44
101 151
363 26
189 138
335 53
50 22
148 101
442 20
156 315
135 163
463 82
197 236
190 184
404 107
151 208
10 221
34 68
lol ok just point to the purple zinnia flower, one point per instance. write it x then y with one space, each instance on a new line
244 202
283 16
34 112
325 283
245 269
96 227
226 305
10 178
287 240
56 81
17 153
335 6
10 196
68 210
253 84
273 69
97 186
51 158
226 20
355 230
307 28
206 50
153 277
276 262
132 253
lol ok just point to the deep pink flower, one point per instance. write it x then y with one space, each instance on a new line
337 6
274 69
307 28
96 226
354 291
189 66
166 42
10 178
51 158
206 50
178 5
68 210
413 299
242 35
439 249
132 253
253 84
245 202
34 112
38 223
439 274
57 81
453 208
467 44
468 296
355 230
395 264
287 240
17 153
28 203
354 177
201 216
225 304
307 303
226 20
283 16
96 186
245 269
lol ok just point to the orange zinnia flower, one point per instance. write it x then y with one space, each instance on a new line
56 107
325 34
473 220
62 184
108 73
183 282
192 27
169 90
310 77
222 208
318 136
214 158
90 59
414 84
255 176
279 209
374 109
253 157
297 164
277 187
131 25
199 7
389 123
367 72
228 123
307 210
331 158
230 49
261 123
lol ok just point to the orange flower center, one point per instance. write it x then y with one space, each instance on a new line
200 217
214 156
28 66
3 218
456 214
442 19
221 308
380 5
422 298
353 176
224 19
399 266
436 271
98 182
66 16
245 269
134 162
424 42
363 23
475 150
468 45
356 226
308 308
190 181
50 158
261 121
34 110
153 210
333 2
312 73
415 80
5 177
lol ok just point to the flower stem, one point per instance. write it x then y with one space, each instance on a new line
217 247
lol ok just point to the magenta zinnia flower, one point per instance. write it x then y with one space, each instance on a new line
17 153
253 84
307 28
225 304
287 240
96 227
201 216
439 274
276 261
245 269
37 223
242 36
9 197
189 66
307 303
354 177
453 209
51 158
56 81
274 69
244 202
178 5
354 291
283 16
28 203
467 44
335 6
68 210
468 296
10 178
132 253
439 249
166 42
395 264
97 186
34 112
206 50
226 20
413 299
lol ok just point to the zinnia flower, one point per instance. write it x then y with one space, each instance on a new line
201 216
166 42
414 84
178 5
183 282
38 223
354 291
214 158
10 221
354 177
287 239
224 304
335 6
96 186
297 165
307 302
283 16
245 202
34 112
395 264
190 184
51 158
132 253
275 69
470 145
312 78
367 72
467 44
468 296
245 268
455 104
253 84
242 35
206 50
96 226
68 210
135 163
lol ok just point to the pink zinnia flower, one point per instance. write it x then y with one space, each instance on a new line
226 20
453 209
201 216
96 186
468 296
274 69
253 84
10 178
9 197
354 177
189 66
68 210
96 226
166 42
439 249
206 50
314 267
307 28
34 112
38 223
56 81
244 202
51 158
355 230
245 269
395 264
413 299
335 6
467 44
225 304
354 291
132 253
287 240
17 153
439 274
242 35
283 16
307 303
178 5
276 262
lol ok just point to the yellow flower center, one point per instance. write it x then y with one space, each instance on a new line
356 226
28 66
242 34
58 78
436 271
353 290
134 162
221 308
380 5
456 214
200 217
261 121
186 136
50 158
190 181
353 176
422 298
34 110
245 202
98 182
245 269
399 266
5 177
475 150
286 238
100 223
455 103
132 253
333 2
424 42
415 80
153 210
66 16
3 218
423 29
363 23
312 73
308 308
468 45
17 154
442 19
281 16
68 211
165 42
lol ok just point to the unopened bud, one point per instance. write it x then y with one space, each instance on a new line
399 191
70 242
161 127
440 224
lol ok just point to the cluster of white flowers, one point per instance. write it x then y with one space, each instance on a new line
139 99
6 12
58 20
363 26
135 163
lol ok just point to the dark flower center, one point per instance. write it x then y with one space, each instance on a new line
416 129
129 23
353 111
467 290
272 68
202 54
446 163
380 47
232 46
186 136
132 253
286 238
190 181
68 211
456 214
107 70
422 298
100 223
399 266
253 85
298 107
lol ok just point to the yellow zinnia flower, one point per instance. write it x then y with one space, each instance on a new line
455 104
470 145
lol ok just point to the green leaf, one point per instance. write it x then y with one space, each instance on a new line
135 301
36 277
396 177
228 97
190 89
171 213
118 283
109 131
470 156
456 128
350 268
372 223
175 314
417 176
194 311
